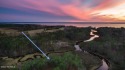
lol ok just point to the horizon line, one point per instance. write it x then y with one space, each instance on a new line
71 22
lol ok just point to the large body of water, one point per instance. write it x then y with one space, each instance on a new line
97 25
85 24
77 24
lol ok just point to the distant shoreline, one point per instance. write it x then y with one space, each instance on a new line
67 22
76 24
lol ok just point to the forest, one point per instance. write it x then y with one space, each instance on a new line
110 44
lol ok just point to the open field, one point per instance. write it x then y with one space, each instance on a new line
15 32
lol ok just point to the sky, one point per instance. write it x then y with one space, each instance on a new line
62 10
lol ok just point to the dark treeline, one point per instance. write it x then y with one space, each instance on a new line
26 27
110 44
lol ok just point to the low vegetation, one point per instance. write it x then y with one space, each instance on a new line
110 44
66 61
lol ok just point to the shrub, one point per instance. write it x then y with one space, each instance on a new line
55 63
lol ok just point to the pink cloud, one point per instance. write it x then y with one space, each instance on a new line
72 9
106 4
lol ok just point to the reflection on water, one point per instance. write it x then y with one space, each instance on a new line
94 36
81 24
104 66
97 25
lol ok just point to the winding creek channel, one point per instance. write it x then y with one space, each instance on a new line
105 62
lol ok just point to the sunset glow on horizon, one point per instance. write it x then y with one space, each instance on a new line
115 13
61 10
